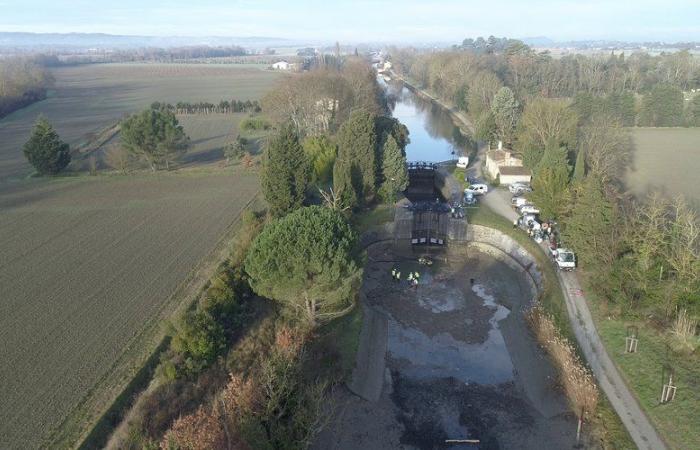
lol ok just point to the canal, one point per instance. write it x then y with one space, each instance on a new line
434 136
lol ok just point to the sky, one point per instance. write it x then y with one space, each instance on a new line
364 21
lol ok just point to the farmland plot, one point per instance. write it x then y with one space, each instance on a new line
89 98
666 159
88 268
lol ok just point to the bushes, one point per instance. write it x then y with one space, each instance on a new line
255 124
273 407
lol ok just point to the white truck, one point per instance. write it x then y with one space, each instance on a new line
463 162
564 258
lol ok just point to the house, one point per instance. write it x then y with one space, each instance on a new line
501 164
282 65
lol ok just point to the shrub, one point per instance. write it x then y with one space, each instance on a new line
45 150
255 124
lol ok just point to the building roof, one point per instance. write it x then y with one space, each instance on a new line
514 170
500 155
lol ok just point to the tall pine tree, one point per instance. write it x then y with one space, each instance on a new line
285 172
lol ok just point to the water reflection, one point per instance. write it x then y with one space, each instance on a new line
434 137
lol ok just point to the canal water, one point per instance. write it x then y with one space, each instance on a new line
434 137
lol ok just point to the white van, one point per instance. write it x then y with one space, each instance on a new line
478 189
463 162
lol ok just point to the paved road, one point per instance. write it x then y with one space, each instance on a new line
604 369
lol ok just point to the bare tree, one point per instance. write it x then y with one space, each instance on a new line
607 147
118 158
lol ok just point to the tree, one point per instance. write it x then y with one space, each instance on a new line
321 153
694 111
542 121
235 149
505 110
155 135
394 170
486 129
118 158
343 186
607 147
550 181
285 172
580 167
307 261
45 150
357 149
589 229
199 339
662 107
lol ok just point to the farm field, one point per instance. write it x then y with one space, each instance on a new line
666 158
88 270
89 98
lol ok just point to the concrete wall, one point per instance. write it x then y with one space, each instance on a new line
506 249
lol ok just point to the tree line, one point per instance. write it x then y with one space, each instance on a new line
651 88
23 81
223 107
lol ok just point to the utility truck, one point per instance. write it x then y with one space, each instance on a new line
564 258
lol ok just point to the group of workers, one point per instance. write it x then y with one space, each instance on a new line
412 278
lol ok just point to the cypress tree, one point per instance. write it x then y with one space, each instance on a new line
550 183
285 172
343 183
357 148
45 150
588 229
393 170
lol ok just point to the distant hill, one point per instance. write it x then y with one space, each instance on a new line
82 41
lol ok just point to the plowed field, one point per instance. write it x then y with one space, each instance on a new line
88 269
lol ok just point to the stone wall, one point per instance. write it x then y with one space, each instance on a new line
506 249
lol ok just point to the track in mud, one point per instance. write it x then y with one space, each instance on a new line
460 363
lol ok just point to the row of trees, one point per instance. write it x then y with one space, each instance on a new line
470 79
224 106
23 81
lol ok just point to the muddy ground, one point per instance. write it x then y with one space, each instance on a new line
460 362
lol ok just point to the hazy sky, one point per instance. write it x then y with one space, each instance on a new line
361 21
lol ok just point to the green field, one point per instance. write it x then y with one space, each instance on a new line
666 159
88 269
89 98
676 421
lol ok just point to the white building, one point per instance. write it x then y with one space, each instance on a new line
282 65
501 164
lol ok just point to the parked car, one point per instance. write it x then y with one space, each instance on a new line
463 162
519 188
478 189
